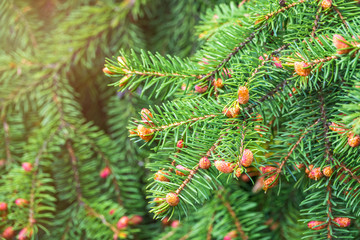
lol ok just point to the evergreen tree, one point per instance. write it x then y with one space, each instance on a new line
268 101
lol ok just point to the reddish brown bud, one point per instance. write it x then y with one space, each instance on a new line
3 206
343 221
172 199
315 174
160 176
232 112
301 68
325 4
135 220
21 202
180 144
353 140
123 222
247 158
201 89
340 43
243 95
26 166
218 83
180 173
315 225
204 163
327 171
146 115
144 133
107 71
224 167
105 172
8 233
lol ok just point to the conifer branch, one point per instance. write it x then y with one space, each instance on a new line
26 23
316 22
296 144
341 16
268 95
329 211
352 174
196 168
102 219
328 152
158 74
211 226
35 173
269 15
186 236
74 163
267 59
230 55
191 120
233 215
7 139
322 60
107 163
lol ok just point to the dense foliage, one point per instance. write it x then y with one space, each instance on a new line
269 100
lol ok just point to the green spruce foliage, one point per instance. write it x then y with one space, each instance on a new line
270 97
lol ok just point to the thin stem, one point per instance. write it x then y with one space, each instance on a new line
316 22
102 218
211 226
233 215
295 145
341 16
184 122
328 152
75 171
145 73
35 174
269 15
196 168
352 174
105 159
7 139
329 214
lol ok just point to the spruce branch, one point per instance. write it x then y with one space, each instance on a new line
316 22
341 17
191 120
34 186
103 220
106 160
7 139
74 163
308 129
352 174
239 228
329 209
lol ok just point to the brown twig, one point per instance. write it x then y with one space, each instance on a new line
7 139
352 174
233 215
211 226
35 173
196 168
102 219
185 122
329 214
316 22
328 152
75 171
295 145
269 15
341 16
